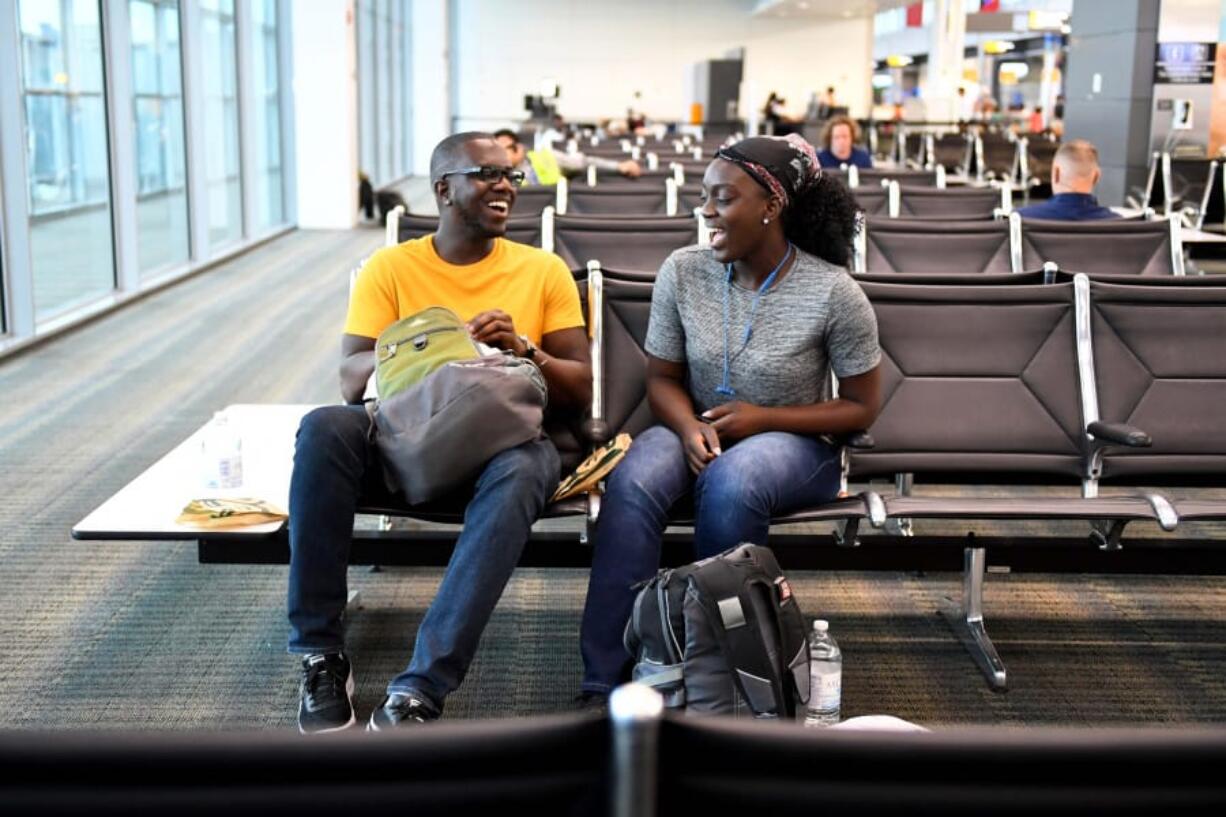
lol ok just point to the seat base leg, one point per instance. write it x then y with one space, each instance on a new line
966 620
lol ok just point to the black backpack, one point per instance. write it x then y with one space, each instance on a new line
722 635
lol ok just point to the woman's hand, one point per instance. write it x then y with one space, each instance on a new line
701 446
736 420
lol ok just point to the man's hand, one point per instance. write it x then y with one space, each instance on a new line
701 446
629 168
496 328
736 420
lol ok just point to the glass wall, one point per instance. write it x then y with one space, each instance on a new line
157 109
67 164
220 88
265 85
384 89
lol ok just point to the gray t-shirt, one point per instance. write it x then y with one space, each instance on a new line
814 320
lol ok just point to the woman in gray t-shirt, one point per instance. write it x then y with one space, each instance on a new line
743 337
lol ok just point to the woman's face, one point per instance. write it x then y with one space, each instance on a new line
734 206
840 141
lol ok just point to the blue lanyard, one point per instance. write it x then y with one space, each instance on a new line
725 388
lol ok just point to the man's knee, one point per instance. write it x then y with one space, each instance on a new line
534 465
728 484
328 425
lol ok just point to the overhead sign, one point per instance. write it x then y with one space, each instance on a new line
1185 63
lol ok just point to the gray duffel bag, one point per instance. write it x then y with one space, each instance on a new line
437 434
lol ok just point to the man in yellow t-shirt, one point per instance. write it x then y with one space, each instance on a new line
514 297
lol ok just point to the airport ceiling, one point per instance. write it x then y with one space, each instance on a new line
824 9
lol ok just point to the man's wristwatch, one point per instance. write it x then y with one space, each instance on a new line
529 348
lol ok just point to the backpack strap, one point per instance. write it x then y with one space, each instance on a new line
739 602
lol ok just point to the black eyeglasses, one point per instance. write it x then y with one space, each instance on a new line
488 173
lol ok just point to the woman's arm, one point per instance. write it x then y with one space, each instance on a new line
855 409
672 405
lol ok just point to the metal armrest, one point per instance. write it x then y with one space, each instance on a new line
1118 434
596 432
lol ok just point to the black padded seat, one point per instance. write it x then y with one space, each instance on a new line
975 379
1107 246
645 176
689 197
624 198
999 155
954 278
873 176
532 199
874 200
947 204
625 242
950 151
922 246
1160 363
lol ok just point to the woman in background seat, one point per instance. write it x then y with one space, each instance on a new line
741 342
840 138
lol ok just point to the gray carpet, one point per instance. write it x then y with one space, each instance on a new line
132 635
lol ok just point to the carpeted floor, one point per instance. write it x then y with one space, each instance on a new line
131 635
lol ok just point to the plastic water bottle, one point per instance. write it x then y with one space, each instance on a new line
222 454
825 677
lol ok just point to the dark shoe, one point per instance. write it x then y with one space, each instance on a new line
595 704
401 710
325 698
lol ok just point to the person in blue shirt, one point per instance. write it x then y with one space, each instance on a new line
1074 172
840 139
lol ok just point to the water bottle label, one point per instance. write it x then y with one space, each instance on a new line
827 689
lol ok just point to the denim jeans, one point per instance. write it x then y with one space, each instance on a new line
335 464
735 497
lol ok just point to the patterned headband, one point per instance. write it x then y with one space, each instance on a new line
783 165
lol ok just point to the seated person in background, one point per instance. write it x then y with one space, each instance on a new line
840 138
1074 172
514 297
741 341
1035 123
545 166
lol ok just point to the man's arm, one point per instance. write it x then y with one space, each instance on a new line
357 365
565 360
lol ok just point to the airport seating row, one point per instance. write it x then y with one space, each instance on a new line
1014 244
896 245
640 762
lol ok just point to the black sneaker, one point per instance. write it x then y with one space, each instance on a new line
399 710
595 704
325 702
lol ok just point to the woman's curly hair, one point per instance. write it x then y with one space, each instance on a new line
822 220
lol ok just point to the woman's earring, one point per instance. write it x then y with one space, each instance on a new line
766 221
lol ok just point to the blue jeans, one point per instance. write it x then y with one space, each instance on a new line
335 464
734 499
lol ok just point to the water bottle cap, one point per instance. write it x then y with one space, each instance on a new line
821 625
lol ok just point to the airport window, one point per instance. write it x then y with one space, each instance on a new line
223 173
71 246
267 178
157 107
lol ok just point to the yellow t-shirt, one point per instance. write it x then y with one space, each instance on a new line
532 286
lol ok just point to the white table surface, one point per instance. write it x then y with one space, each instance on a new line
147 506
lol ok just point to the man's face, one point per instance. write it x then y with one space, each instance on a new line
514 149
482 206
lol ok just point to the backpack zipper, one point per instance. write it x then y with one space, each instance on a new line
420 341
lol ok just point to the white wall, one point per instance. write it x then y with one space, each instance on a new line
601 53
325 114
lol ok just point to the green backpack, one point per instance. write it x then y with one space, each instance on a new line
414 347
